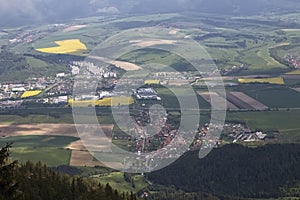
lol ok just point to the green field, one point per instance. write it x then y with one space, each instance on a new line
170 101
227 44
163 59
35 118
116 180
38 141
286 122
51 115
47 149
274 96
50 156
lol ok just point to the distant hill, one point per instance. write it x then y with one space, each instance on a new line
234 170
13 13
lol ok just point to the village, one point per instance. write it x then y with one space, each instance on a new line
150 131
293 60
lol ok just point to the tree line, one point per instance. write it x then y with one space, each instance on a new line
37 181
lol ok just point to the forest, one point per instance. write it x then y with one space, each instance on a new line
270 171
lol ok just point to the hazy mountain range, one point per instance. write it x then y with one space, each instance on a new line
17 12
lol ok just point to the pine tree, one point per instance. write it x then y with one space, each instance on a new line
8 186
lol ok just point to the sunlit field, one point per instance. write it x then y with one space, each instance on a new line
31 93
152 82
113 101
277 80
65 47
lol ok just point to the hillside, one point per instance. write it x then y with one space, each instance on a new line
37 181
265 172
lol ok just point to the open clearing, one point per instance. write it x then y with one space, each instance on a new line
73 28
83 159
38 129
35 141
116 180
217 98
275 96
46 129
121 64
149 43
249 100
264 53
173 32
50 150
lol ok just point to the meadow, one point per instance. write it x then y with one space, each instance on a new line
169 99
274 96
47 149
286 122
116 180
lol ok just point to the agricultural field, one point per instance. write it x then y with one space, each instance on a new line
38 141
31 93
161 58
286 122
83 159
40 129
8 119
169 100
274 97
152 82
52 144
249 100
218 99
113 101
128 66
48 149
277 80
52 157
65 47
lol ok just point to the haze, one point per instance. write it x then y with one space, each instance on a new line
17 12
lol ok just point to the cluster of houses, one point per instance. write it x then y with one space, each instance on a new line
293 60
241 133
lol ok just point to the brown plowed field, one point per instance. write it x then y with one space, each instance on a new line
83 158
253 103
217 98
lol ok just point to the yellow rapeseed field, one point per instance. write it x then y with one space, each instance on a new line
31 93
276 80
150 82
65 47
111 101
